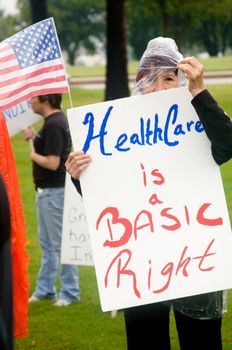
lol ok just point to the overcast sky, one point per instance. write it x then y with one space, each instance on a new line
9 6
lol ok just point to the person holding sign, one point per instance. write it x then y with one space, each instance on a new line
198 318
50 148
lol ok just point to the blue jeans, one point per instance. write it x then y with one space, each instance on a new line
50 202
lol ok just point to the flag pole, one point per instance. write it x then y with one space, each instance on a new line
69 93
70 98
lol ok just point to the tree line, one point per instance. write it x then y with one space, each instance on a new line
195 25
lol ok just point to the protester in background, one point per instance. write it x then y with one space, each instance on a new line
198 318
50 148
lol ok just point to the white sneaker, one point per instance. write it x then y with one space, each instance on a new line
62 302
33 298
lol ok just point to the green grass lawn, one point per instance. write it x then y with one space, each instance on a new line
210 64
84 326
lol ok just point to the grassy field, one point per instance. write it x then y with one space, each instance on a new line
210 64
84 326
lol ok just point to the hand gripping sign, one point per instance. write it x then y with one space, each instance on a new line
154 200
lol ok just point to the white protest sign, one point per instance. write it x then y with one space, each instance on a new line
75 248
154 200
20 117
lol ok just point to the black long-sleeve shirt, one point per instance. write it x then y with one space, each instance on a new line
217 125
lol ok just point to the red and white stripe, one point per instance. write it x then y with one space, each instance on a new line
19 84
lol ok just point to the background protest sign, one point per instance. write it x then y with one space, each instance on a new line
76 248
154 200
20 117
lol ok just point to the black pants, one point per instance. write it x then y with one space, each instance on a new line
147 327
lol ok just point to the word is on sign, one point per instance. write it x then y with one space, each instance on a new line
158 231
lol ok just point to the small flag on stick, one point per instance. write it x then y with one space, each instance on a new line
31 64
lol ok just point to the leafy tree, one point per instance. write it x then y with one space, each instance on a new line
116 47
24 13
77 22
213 25
7 25
144 23
148 19
205 23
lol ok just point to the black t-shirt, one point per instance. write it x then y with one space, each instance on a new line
52 139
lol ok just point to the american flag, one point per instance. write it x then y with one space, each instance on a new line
31 64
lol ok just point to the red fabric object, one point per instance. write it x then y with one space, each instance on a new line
20 258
